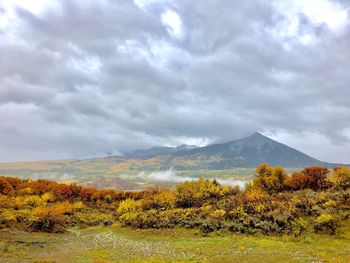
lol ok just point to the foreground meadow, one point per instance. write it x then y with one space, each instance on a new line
302 217
116 244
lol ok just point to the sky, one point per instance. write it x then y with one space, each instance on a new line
86 78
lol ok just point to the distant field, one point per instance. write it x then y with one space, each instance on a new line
118 173
114 244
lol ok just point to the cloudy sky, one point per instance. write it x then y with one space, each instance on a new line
85 78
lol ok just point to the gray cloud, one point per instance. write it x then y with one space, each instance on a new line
86 78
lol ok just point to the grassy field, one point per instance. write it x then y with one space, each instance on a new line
115 244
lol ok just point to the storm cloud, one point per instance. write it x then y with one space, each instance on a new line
89 78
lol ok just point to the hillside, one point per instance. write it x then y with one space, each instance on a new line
246 153
250 152
231 161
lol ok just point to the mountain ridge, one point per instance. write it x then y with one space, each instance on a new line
247 152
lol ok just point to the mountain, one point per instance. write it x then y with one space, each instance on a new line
246 153
156 151
148 168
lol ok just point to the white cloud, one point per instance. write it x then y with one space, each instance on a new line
319 13
199 141
106 76
173 22
324 11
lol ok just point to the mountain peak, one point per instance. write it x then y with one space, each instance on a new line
246 152
249 152
256 134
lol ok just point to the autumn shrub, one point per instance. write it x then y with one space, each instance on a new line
218 214
317 175
195 193
270 179
341 177
7 217
5 201
127 206
5 187
147 219
237 212
78 206
93 218
162 200
14 182
25 191
298 181
47 219
298 227
48 197
87 193
34 201
23 217
210 225
273 204
326 223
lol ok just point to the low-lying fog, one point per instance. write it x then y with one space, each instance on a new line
168 176
171 176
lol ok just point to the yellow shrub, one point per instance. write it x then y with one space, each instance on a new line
78 206
260 208
25 191
194 193
237 212
330 203
255 195
33 201
326 223
48 197
165 199
127 206
341 177
218 214
19 202
7 216
65 208
47 218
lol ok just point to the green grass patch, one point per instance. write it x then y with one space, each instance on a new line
115 244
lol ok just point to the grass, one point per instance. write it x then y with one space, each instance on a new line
116 244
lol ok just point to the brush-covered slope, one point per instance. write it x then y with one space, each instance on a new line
247 152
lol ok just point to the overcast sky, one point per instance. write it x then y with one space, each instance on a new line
85 78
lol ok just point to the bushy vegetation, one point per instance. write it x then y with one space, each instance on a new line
273 203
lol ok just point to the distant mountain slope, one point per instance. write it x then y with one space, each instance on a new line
155 151
247 152
250 152
127 171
